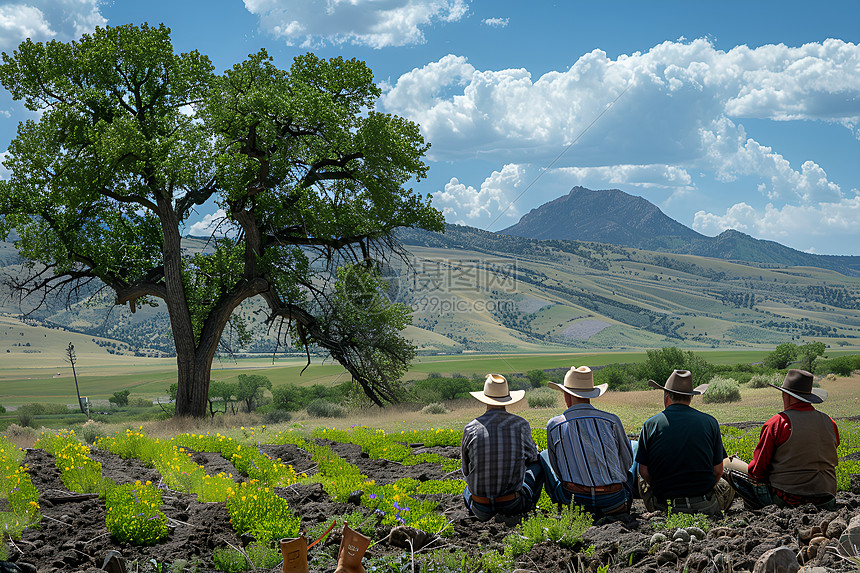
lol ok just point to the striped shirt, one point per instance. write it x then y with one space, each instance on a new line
588 447
495 451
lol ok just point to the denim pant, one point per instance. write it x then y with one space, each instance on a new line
529 495
596 504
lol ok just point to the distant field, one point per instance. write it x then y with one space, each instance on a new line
50 379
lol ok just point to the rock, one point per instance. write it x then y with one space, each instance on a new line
666 558
409 537
27 567
778 560
817 540
804 536
355 497
718 532
9 567
698 532
836 527
114 563
681 535
849 541
658 538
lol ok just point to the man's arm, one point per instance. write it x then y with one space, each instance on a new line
718 471
774 432
643 471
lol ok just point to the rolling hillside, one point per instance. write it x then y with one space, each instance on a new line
473 290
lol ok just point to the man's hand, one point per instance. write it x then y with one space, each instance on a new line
643 471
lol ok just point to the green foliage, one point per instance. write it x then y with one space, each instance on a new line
435 408
564 529
537 377
229 560
322 408
250 389
438 388
621 377
764 380
722 390
841 365
675 520
120 399
16 487
543 398
258 509
809 353
782 356
292 397
133 514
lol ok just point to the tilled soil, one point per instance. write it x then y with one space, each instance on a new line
73 537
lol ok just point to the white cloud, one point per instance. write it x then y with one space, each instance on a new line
825 227
19 22
4 173
496 22
209 225
492 201
646 176
680 109
364 22
42 20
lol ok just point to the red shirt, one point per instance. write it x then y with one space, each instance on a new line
774 433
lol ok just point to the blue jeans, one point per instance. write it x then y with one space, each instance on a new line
596 504
529 495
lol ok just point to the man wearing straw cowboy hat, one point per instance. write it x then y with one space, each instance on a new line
681 454
499 457
795 460
588 456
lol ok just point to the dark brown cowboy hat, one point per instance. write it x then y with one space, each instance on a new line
680 382
798 383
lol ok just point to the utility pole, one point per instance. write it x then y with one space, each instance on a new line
70 352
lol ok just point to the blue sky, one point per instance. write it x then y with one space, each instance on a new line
726 114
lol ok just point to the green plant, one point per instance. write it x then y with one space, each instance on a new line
229 560
263 555
435 408
722 390
322 408
133 514
564 529
763 380
542 398
676 520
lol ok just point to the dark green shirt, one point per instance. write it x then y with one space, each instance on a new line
681 446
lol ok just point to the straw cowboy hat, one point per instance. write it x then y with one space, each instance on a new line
496 392
680 382
798 383
579 382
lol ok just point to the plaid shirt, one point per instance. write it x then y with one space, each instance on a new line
496 449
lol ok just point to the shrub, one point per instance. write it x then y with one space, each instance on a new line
276 416
722 390
620 377
542 398
441 388
564 529
762 380
322 408
841 365
229 559
92 431
435 408
2 410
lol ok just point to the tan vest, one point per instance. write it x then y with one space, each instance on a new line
806 463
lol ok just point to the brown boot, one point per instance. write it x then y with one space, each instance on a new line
295 552
352 547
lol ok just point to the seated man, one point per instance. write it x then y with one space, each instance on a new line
499 457
795 460
588 455
681 454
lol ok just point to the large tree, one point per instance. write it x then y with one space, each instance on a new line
131 137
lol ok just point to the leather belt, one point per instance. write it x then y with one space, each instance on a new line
596 490
491 500
689 500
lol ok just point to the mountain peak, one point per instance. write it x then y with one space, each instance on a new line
605 216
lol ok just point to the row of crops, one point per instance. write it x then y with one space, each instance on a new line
134 511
